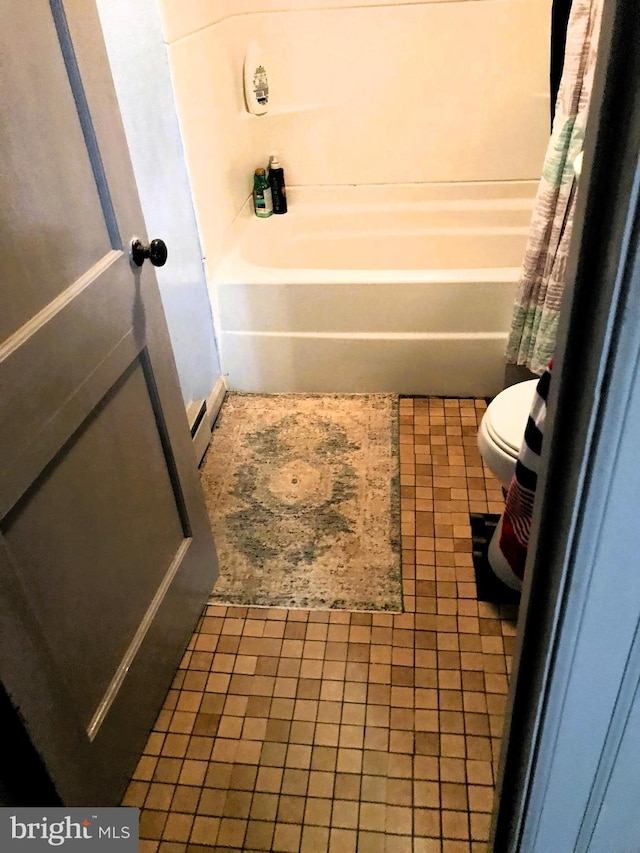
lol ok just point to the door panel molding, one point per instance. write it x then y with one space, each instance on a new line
35 323
134 646
167 447
31 677
90 53
86 123
110 493
51 435
82 335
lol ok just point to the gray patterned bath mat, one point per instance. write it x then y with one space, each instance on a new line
303 496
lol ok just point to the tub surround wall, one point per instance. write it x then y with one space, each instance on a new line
366 94
370 94
180 18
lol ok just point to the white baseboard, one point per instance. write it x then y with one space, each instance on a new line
215 400
202 415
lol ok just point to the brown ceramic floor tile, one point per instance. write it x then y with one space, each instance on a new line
314 730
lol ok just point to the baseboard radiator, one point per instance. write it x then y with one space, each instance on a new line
202 415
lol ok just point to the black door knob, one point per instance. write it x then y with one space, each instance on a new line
156 251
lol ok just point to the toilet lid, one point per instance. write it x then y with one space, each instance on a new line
508 413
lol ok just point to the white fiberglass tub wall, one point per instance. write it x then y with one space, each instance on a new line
405 289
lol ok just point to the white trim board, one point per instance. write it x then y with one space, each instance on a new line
205 420
215 400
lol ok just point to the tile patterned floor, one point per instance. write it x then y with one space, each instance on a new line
294 730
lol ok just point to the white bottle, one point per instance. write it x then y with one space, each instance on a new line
256 84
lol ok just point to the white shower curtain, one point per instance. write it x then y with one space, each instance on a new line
537 309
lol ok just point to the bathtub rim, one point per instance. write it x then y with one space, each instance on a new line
229 267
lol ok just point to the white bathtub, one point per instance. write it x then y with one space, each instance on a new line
405 289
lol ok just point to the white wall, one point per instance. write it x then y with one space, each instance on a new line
371 92
140 68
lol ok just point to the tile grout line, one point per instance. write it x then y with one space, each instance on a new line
444 560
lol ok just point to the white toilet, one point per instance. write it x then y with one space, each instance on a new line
500 437
502 429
